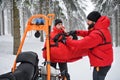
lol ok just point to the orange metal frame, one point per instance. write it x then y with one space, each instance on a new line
48 21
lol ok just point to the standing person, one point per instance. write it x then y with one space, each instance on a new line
99 42
55 41
59 29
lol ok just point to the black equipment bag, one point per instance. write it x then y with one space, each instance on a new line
26 70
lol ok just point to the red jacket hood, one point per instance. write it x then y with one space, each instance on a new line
102 23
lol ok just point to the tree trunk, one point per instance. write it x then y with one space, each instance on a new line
0 21
3 25
12 22
41 35
119 25
16 25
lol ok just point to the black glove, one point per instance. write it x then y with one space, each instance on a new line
72 32
56 38
74 37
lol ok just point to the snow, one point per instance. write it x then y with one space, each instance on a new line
90 6
64 9
79 70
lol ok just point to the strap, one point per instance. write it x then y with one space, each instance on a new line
104 39
56 39
51 45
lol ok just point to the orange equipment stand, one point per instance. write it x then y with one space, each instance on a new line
46 27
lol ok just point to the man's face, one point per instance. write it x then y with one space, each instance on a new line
90 24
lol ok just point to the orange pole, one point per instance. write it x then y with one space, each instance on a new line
50 18
48 57
48 21
29 27
19 50
48 49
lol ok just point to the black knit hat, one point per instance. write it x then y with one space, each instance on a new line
94 16
57 21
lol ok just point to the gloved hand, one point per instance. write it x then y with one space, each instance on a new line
72 32
74 37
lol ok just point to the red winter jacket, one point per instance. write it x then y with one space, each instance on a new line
62 52
98 41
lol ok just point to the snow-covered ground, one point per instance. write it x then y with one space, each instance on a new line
79 70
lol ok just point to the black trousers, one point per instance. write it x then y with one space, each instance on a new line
63 69
101 74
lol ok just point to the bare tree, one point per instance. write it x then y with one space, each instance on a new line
16 24
41 36
2 27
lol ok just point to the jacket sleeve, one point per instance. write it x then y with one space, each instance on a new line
90 41
82 33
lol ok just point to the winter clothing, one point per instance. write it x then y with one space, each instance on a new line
98 41
72 32
57 21
100 75
63 69
61 52
94 16
27 67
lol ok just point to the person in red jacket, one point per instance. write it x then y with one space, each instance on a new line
59 52
54 37
99 42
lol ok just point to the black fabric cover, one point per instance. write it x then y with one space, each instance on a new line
27 68
29 57
7 76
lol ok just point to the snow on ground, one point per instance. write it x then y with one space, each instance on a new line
79 70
